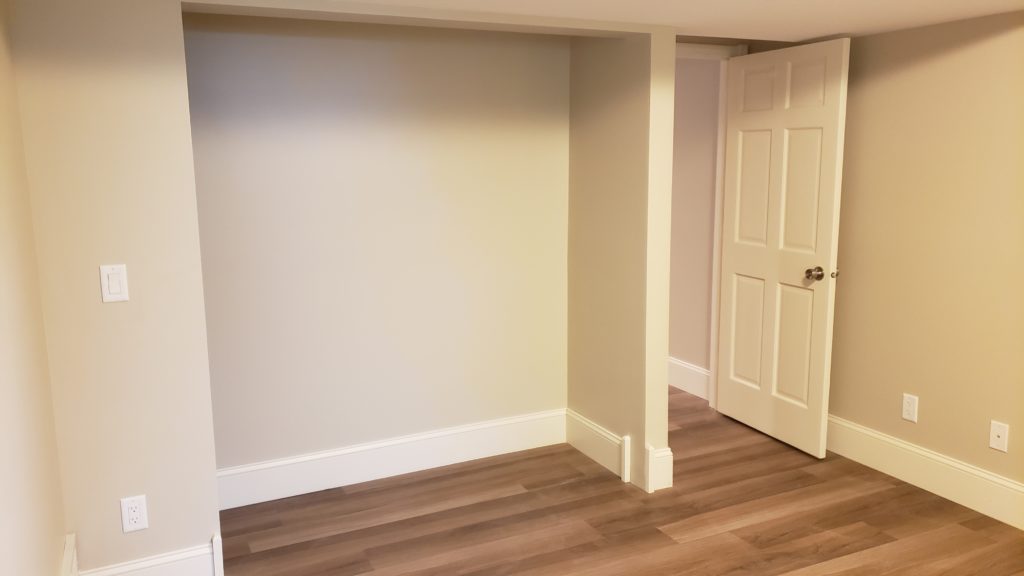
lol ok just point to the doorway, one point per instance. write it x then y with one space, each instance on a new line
758 152
696 209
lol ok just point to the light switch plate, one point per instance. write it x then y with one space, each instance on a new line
114 282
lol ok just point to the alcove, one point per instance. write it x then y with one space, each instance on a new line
424 245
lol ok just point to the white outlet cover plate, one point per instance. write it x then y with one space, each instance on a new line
134 515
999 436
910 407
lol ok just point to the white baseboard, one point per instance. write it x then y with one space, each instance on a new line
626 456
659 468
614 452
688 377
218 555
204 560
271 480
598 443
69 563
963 483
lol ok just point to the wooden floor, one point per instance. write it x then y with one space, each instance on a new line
742 504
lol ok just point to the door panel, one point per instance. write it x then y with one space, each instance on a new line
800 188
754 186
795 337
758 88
748 306
784 151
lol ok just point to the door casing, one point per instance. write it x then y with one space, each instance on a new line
722 54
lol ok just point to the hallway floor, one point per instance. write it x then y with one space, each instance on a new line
742 503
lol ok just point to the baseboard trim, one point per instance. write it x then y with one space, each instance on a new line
598 443
271 480
659 468
625 458
218 554
614 452
689 378
963 483
195 561
69 564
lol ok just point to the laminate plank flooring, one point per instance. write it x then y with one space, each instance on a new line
742 504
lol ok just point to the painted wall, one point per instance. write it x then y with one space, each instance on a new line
32 522
607 232
693 209
104 106
929 300
610 187
383 213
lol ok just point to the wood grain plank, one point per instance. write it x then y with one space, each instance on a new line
743 504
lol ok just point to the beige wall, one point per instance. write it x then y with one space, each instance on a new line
607 231
383 213
693 209
932 240
608 235
105 116
32 521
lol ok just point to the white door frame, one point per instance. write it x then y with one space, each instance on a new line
721 53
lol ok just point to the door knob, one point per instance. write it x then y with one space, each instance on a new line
816 273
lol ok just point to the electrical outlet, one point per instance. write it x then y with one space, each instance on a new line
999 436
910 407
133 514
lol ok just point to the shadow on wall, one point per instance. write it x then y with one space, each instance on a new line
328 88
904 49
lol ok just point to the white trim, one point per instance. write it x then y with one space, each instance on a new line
689 378
274 479
722 54
218 554
69 563
716 255
195 561
627 458
709 51
598 443
963 483
658 463
716 250
395 14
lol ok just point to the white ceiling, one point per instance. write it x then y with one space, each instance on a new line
787 20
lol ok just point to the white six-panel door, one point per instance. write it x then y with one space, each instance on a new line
784 156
